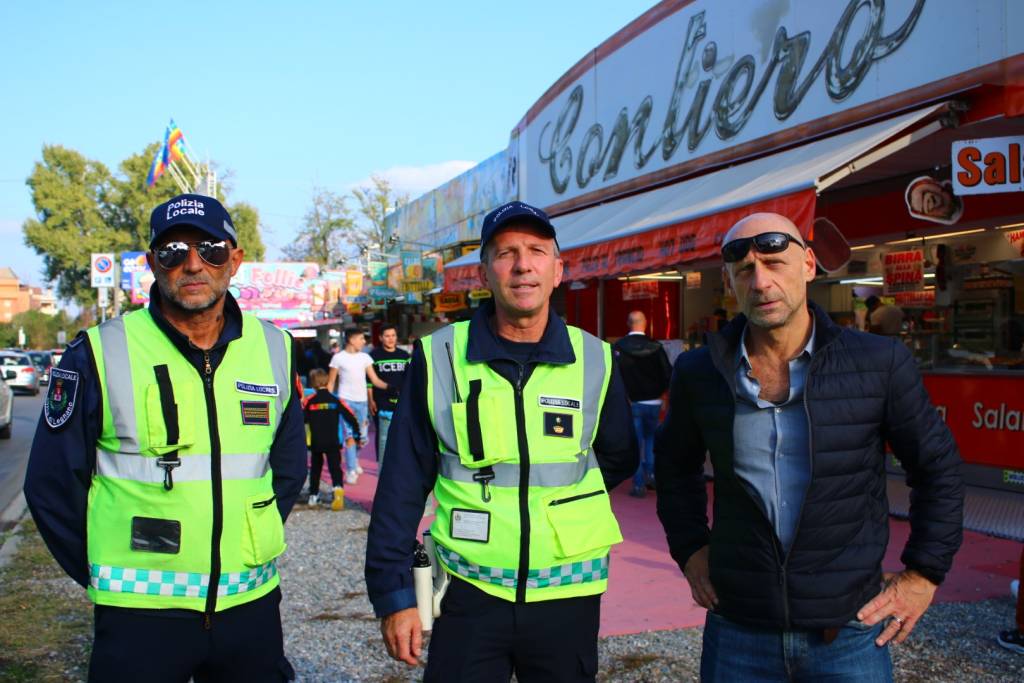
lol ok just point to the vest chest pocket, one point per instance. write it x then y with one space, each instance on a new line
485 427
582 521
170 426
263 536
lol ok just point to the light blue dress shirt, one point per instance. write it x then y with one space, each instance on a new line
772 442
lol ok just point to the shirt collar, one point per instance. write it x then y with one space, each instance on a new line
807 351
640 333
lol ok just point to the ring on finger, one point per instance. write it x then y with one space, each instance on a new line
898 620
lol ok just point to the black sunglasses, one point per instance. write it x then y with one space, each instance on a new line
766 243
173 254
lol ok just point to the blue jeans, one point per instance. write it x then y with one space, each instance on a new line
383 424
645 422
734 652
361 410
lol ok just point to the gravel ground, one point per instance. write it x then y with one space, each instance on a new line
332 636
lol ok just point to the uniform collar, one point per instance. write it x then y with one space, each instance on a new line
232 321
484 346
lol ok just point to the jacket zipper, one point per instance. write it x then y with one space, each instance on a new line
524 489
572 499
218 493
803 501
779 561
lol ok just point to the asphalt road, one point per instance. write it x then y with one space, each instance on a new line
14 451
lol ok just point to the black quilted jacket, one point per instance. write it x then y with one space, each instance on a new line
862 391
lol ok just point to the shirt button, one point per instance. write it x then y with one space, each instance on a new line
778 410
784 503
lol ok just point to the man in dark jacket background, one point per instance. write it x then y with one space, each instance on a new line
645 370
796 413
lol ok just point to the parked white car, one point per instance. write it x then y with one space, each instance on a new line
6 409
25 376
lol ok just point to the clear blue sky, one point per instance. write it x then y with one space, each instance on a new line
285 95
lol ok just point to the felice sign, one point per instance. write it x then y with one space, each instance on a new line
988 165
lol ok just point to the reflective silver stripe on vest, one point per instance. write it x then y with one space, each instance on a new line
144 469
120 392
444 386
278 347
593 379
506 474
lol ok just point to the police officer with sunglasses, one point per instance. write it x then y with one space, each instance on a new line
170 451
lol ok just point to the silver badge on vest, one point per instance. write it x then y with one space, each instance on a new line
258 389
559 402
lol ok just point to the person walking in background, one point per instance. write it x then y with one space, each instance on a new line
646 371
883 318
322 412
1013 639
520 424
389 362
796 412
350 369
170 452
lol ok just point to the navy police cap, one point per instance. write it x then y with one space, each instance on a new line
514 213
194 210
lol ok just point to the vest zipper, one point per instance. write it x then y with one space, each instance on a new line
218 492
524 489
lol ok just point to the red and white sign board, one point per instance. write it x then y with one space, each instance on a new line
1016 240
985 414
988 165
102 270
903 271
640 289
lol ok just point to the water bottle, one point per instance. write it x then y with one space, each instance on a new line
424 584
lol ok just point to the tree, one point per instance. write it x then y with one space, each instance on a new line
327 233
374 203
247 224
81 208
40 329
70 194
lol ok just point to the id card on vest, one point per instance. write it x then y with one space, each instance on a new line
471 525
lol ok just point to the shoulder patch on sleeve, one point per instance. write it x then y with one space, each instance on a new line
79 338
61 397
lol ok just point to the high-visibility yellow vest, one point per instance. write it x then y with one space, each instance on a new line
522 512
157 540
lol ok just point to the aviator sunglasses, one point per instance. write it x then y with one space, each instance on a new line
766 243
173 254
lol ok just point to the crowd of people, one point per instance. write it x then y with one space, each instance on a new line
172 448
339 401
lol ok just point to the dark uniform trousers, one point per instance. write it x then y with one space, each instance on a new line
243 645
479 637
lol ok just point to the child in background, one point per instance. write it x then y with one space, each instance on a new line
322 412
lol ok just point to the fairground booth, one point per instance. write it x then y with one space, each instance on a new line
899 122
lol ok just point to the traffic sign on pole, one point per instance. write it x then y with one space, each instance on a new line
102 270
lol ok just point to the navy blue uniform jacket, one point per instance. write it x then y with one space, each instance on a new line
62 460
411 454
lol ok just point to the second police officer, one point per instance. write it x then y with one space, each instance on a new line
521 426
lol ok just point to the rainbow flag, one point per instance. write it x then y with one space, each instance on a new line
158 167
174 144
